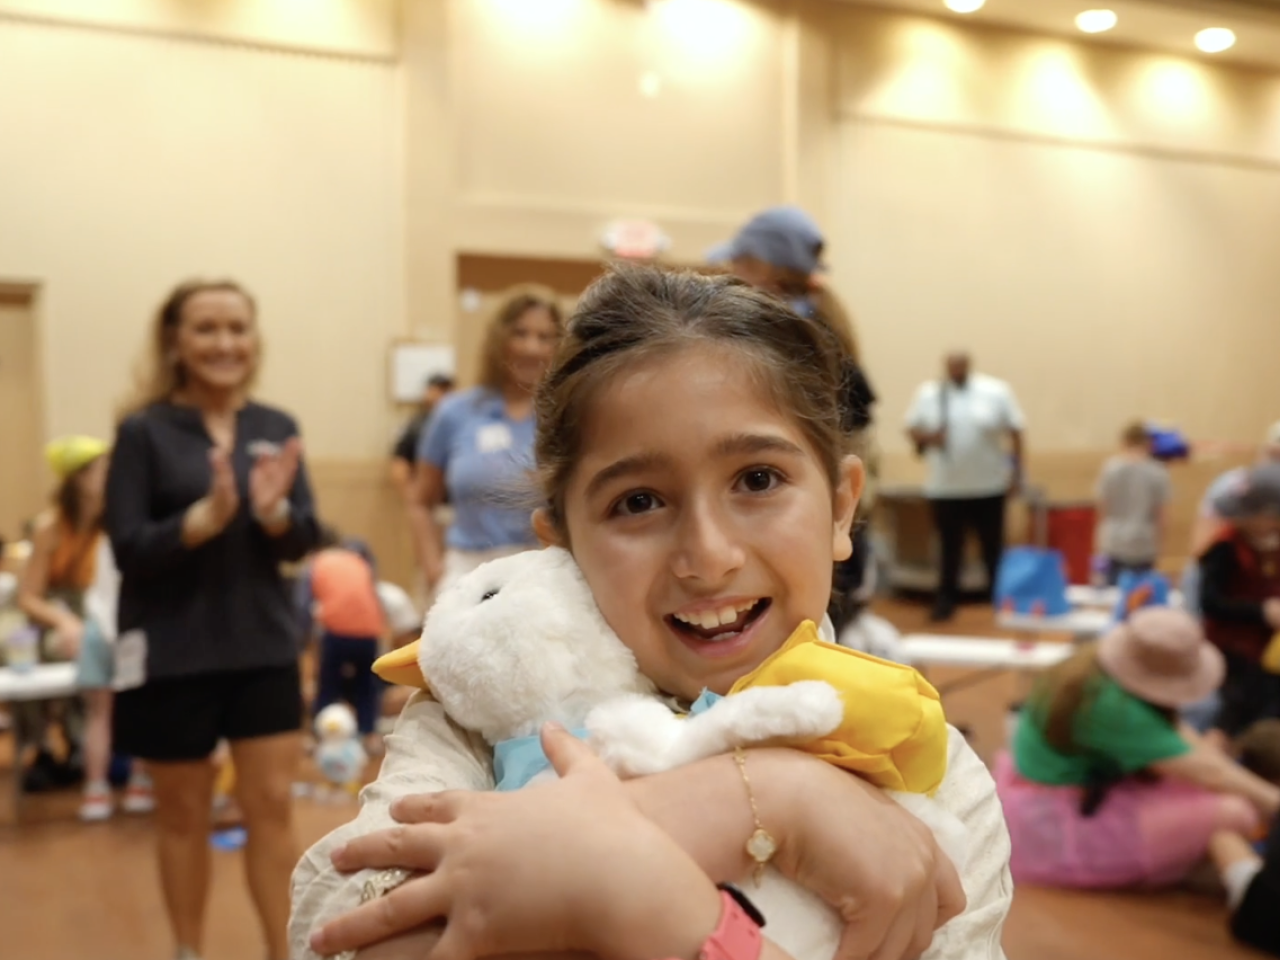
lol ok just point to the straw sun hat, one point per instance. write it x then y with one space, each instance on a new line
1162 656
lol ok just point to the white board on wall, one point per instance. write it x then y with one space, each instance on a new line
413 363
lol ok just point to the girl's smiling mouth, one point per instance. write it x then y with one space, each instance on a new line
719 630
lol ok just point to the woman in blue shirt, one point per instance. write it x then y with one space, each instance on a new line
478 446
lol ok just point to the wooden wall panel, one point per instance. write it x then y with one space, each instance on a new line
357 497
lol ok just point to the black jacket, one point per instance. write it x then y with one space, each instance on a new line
223 605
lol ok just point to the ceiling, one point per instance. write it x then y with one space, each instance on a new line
1168 25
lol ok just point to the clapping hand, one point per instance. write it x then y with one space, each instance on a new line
271 479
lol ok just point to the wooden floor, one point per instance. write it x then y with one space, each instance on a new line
70 891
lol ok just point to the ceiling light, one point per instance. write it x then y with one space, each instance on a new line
1096 21
1215 39
964 6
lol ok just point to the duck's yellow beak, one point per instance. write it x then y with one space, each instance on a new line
401 667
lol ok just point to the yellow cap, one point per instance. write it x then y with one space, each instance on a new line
66 455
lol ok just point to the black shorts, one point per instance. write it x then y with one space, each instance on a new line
185 717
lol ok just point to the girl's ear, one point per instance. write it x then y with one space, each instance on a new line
544 529
849 483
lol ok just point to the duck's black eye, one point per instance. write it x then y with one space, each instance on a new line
489 595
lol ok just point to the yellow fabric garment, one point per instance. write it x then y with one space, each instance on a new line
1271 655
894 732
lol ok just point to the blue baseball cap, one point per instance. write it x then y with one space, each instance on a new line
785 237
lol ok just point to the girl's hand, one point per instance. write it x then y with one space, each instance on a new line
571 865
67 638
271 479
876 864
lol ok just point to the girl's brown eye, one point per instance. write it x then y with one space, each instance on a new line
636 503
759 480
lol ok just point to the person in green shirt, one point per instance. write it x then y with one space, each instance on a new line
1103 787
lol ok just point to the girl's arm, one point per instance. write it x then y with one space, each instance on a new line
839 837
1210 768
33 581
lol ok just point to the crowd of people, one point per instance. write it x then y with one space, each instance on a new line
700 443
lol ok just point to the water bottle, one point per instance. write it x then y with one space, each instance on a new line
22 648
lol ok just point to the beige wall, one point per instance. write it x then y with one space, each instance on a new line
533 118
1100 227
354 28
134 159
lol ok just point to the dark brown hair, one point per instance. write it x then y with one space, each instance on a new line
1259 748
1066 689
517 302
635 313
1135 435
158 376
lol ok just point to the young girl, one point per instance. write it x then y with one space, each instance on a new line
691 454
69 558
1104 787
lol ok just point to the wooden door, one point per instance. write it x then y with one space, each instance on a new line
23 477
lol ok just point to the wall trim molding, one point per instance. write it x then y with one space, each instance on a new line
1010 135
55 22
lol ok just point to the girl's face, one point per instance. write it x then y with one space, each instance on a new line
530 345
217 340
703 519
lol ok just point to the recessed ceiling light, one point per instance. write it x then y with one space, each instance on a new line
1096 21
1215 39
964 6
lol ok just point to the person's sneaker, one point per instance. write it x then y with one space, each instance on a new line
186 953
138 797
96 804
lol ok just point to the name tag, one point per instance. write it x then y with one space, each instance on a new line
493 437
130 660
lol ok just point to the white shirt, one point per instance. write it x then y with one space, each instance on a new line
978 415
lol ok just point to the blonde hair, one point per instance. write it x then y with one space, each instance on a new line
515 304
158 376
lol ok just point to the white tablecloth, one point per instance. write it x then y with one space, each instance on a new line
931 650
45 681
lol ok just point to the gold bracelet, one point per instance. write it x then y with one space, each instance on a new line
761 846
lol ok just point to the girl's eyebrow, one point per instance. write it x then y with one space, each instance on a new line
733 445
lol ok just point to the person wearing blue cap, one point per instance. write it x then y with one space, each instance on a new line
779 250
